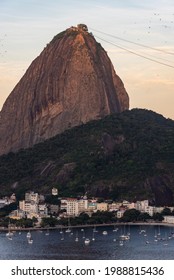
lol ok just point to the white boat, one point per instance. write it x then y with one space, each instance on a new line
9 234
115 229
76 239
30 241
28 234
87 241
47 232
105 232
94 229
121 243
93 237
69 227
124 237
83 234
9 237
61 231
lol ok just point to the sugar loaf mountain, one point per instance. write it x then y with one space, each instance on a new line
67 123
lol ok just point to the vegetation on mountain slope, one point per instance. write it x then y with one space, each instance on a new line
123 156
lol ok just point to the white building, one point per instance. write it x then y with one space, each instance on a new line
28 206
141 205
42 210
70 205
149 210
82 205
120 213
31 196
169 219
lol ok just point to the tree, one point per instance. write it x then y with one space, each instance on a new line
166 212
48 222
157 217
144 217
131 215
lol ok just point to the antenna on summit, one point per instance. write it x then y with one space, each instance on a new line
82 27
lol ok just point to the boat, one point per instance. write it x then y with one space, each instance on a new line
94 229
30 241
47 232
76 239
105 232
87 241
124 237
83 234
93 238
115 229
68 230
28 234
61 231
9 237
121 243
9 233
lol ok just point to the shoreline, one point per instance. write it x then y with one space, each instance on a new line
2 229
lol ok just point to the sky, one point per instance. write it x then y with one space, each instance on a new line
137 35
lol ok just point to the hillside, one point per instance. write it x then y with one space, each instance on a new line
123 156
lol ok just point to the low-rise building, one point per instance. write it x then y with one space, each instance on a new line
120 213
103 206
169 219
92 206
70 205
149 210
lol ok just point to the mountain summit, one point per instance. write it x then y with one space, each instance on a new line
70 83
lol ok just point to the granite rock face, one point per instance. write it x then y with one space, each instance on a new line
70 83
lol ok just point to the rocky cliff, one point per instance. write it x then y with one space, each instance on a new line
70 83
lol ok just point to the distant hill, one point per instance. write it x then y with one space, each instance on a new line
122 156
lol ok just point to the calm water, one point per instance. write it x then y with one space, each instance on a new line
140 245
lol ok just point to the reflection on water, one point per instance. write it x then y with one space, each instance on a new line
147 242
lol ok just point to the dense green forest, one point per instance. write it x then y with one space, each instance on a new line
123 156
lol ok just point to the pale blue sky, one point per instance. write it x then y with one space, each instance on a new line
26 26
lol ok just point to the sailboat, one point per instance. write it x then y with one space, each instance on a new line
29 234
62 238
83 234
68 229
93 237
124 236
9 234
115 229
61 231
87 241
76 239
47 232
30 240
94 229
